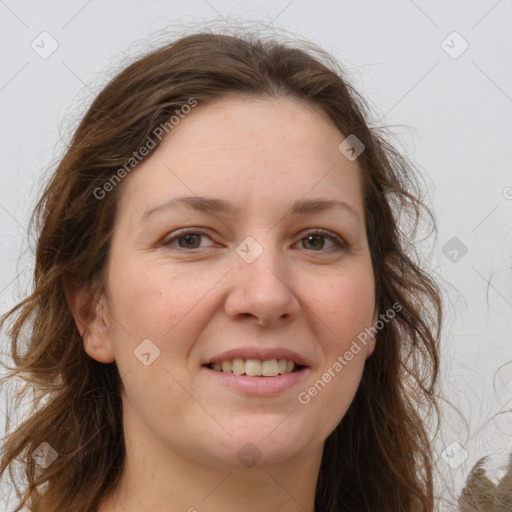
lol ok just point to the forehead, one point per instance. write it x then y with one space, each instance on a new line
254 150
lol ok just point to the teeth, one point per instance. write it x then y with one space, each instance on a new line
255 367
270 368
226 366
238 366
282 366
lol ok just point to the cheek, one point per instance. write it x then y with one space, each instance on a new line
346 310
346 306
152 300
156 302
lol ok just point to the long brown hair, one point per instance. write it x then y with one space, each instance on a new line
379 457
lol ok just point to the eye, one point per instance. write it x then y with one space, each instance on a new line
186 240
314 239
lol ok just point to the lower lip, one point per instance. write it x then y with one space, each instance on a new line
259 386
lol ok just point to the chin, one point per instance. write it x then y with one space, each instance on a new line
261 445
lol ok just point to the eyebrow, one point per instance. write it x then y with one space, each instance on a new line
214 205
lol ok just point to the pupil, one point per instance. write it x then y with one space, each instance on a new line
313 237
189 239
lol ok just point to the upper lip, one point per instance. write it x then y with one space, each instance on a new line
263 354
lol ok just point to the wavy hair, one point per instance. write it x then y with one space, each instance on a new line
379 457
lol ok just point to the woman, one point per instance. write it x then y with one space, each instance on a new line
226 314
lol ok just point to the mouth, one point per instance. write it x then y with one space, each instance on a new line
258 371
256 367
257 377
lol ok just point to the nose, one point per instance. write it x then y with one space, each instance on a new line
263 288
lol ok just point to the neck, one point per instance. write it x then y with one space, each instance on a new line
170 480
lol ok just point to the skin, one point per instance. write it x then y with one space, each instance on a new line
183 429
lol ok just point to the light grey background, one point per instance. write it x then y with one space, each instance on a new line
452 115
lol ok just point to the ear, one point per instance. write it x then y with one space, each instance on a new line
372 341
92 325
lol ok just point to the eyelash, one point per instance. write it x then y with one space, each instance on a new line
337 240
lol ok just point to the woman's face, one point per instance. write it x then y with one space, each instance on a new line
252 279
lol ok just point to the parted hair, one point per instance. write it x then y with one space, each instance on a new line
379 456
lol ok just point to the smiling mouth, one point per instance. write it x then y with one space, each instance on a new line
255 367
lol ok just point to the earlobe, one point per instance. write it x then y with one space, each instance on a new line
372 340
370 346
90 321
